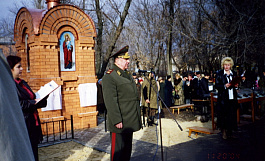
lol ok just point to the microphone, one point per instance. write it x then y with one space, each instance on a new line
142 71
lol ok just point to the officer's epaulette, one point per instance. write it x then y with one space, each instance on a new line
109 71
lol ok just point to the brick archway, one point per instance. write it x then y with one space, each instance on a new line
25 20
67 15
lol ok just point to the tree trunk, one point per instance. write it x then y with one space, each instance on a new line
114 38
169 42
99 37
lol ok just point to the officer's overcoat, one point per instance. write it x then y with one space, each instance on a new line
121 100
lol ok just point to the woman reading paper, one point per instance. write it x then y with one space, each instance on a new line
27 100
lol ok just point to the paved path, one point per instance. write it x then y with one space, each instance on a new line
249 146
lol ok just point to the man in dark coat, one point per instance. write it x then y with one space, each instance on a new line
201 90
200 85
123 106
188 85
168 91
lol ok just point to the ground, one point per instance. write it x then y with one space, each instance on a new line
76 150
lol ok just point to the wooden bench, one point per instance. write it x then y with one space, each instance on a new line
182 106
204 130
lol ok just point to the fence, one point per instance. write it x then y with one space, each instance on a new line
57 130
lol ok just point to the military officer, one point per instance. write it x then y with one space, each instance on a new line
123 106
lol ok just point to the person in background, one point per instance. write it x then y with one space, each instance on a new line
245 83
141 80
28 103
162 91
201 89
261 84
14 139
178 90
138 84
123 105
168 91
134 75
149 98
162 88
227 103
100 101
188 89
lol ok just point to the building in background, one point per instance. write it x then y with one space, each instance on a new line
48 54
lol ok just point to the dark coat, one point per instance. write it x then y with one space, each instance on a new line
168 93
162 90
201 89
100 101
188 89
121 100
220 82
226 109
28 108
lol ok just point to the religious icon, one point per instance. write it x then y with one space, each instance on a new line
67 52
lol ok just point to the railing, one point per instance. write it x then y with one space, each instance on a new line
57 130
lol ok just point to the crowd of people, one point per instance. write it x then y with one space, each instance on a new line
184 88
197 86
177 91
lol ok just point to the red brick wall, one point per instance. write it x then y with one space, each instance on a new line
45 59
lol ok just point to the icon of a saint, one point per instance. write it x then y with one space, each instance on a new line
68 50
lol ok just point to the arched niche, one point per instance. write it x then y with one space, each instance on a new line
67 15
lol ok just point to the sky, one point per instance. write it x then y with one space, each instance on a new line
6 4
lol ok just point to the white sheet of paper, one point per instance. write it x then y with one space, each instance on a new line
46 89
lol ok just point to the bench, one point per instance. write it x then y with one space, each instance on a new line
204 130
182 106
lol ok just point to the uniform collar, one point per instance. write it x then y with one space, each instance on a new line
121 72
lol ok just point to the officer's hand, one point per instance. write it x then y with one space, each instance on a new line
119 125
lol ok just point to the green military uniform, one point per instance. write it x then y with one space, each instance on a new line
121 100
122 103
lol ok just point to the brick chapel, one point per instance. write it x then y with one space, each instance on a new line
58 44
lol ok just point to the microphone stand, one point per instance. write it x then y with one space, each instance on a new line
158 107
150 121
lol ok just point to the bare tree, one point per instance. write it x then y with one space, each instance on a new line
39 4
114 37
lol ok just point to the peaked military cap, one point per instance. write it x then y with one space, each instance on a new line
122 53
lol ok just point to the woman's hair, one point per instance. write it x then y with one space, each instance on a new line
13 60
227 60
177 75
178 79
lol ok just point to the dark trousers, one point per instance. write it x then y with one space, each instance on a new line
121 146
227 116
35 150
